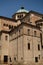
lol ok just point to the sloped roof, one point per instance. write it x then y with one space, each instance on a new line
6 18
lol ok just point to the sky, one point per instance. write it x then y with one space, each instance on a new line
9 7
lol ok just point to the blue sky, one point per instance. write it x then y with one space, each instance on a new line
9 7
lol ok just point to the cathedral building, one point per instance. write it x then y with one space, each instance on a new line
21 37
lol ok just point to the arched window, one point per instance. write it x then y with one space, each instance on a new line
6 37
28 46
34 33
9 26
14 58
38 47
28 31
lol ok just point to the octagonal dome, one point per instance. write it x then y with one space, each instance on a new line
22 10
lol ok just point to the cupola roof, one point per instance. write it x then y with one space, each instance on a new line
22 10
